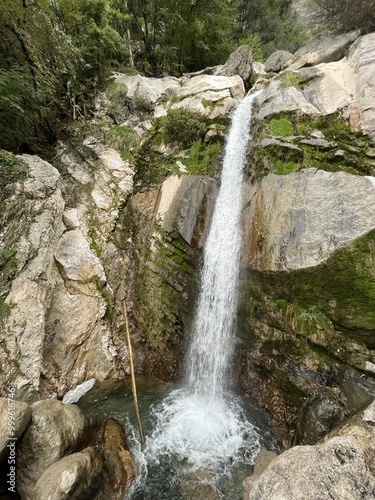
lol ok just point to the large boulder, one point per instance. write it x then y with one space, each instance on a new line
276 61
290 231
56 429
208 95
74 476
278 97
347 85
362 58
150 89
40 224
186 205
335 469
323 51
238 63
14 419
357 393
78 261
361 428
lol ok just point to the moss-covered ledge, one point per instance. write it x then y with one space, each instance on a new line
342 288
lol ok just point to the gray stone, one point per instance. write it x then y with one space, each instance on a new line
30 293
362 57
262 461
186 205
321 415
323 51
361 429
204 83
15 414
335 469
357 393
74 476
239 63
78 343
77 259
334 87
276 98
150 89
276 61
56 430
298 220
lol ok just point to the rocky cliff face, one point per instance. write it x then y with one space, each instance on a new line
115 219
308 219
123 214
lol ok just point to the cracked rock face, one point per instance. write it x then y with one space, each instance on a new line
298 220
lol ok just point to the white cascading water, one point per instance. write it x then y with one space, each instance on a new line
212 343
201 425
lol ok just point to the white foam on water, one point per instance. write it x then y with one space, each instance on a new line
200 434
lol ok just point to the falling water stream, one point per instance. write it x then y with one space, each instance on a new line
201 429
202 434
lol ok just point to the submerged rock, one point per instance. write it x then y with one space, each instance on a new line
118 460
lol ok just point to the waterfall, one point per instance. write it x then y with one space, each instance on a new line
212 340
202 426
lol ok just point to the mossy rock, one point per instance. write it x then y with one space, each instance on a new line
342 288
341 150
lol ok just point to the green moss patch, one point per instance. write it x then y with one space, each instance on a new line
342 288
123 139
281 127
343 150
160 301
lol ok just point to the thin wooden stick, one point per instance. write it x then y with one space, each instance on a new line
132 375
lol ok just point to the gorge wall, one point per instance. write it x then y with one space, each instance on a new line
121 213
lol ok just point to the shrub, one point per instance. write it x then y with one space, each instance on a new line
184 126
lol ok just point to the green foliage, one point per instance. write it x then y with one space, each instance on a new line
255 40
281 127
114 89
123 139
274 22
184 126
342 16
201 155
12 169
284 168
181 36
314 315
14 218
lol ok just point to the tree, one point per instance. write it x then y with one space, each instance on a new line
340 16
54 55
274 22
178 36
